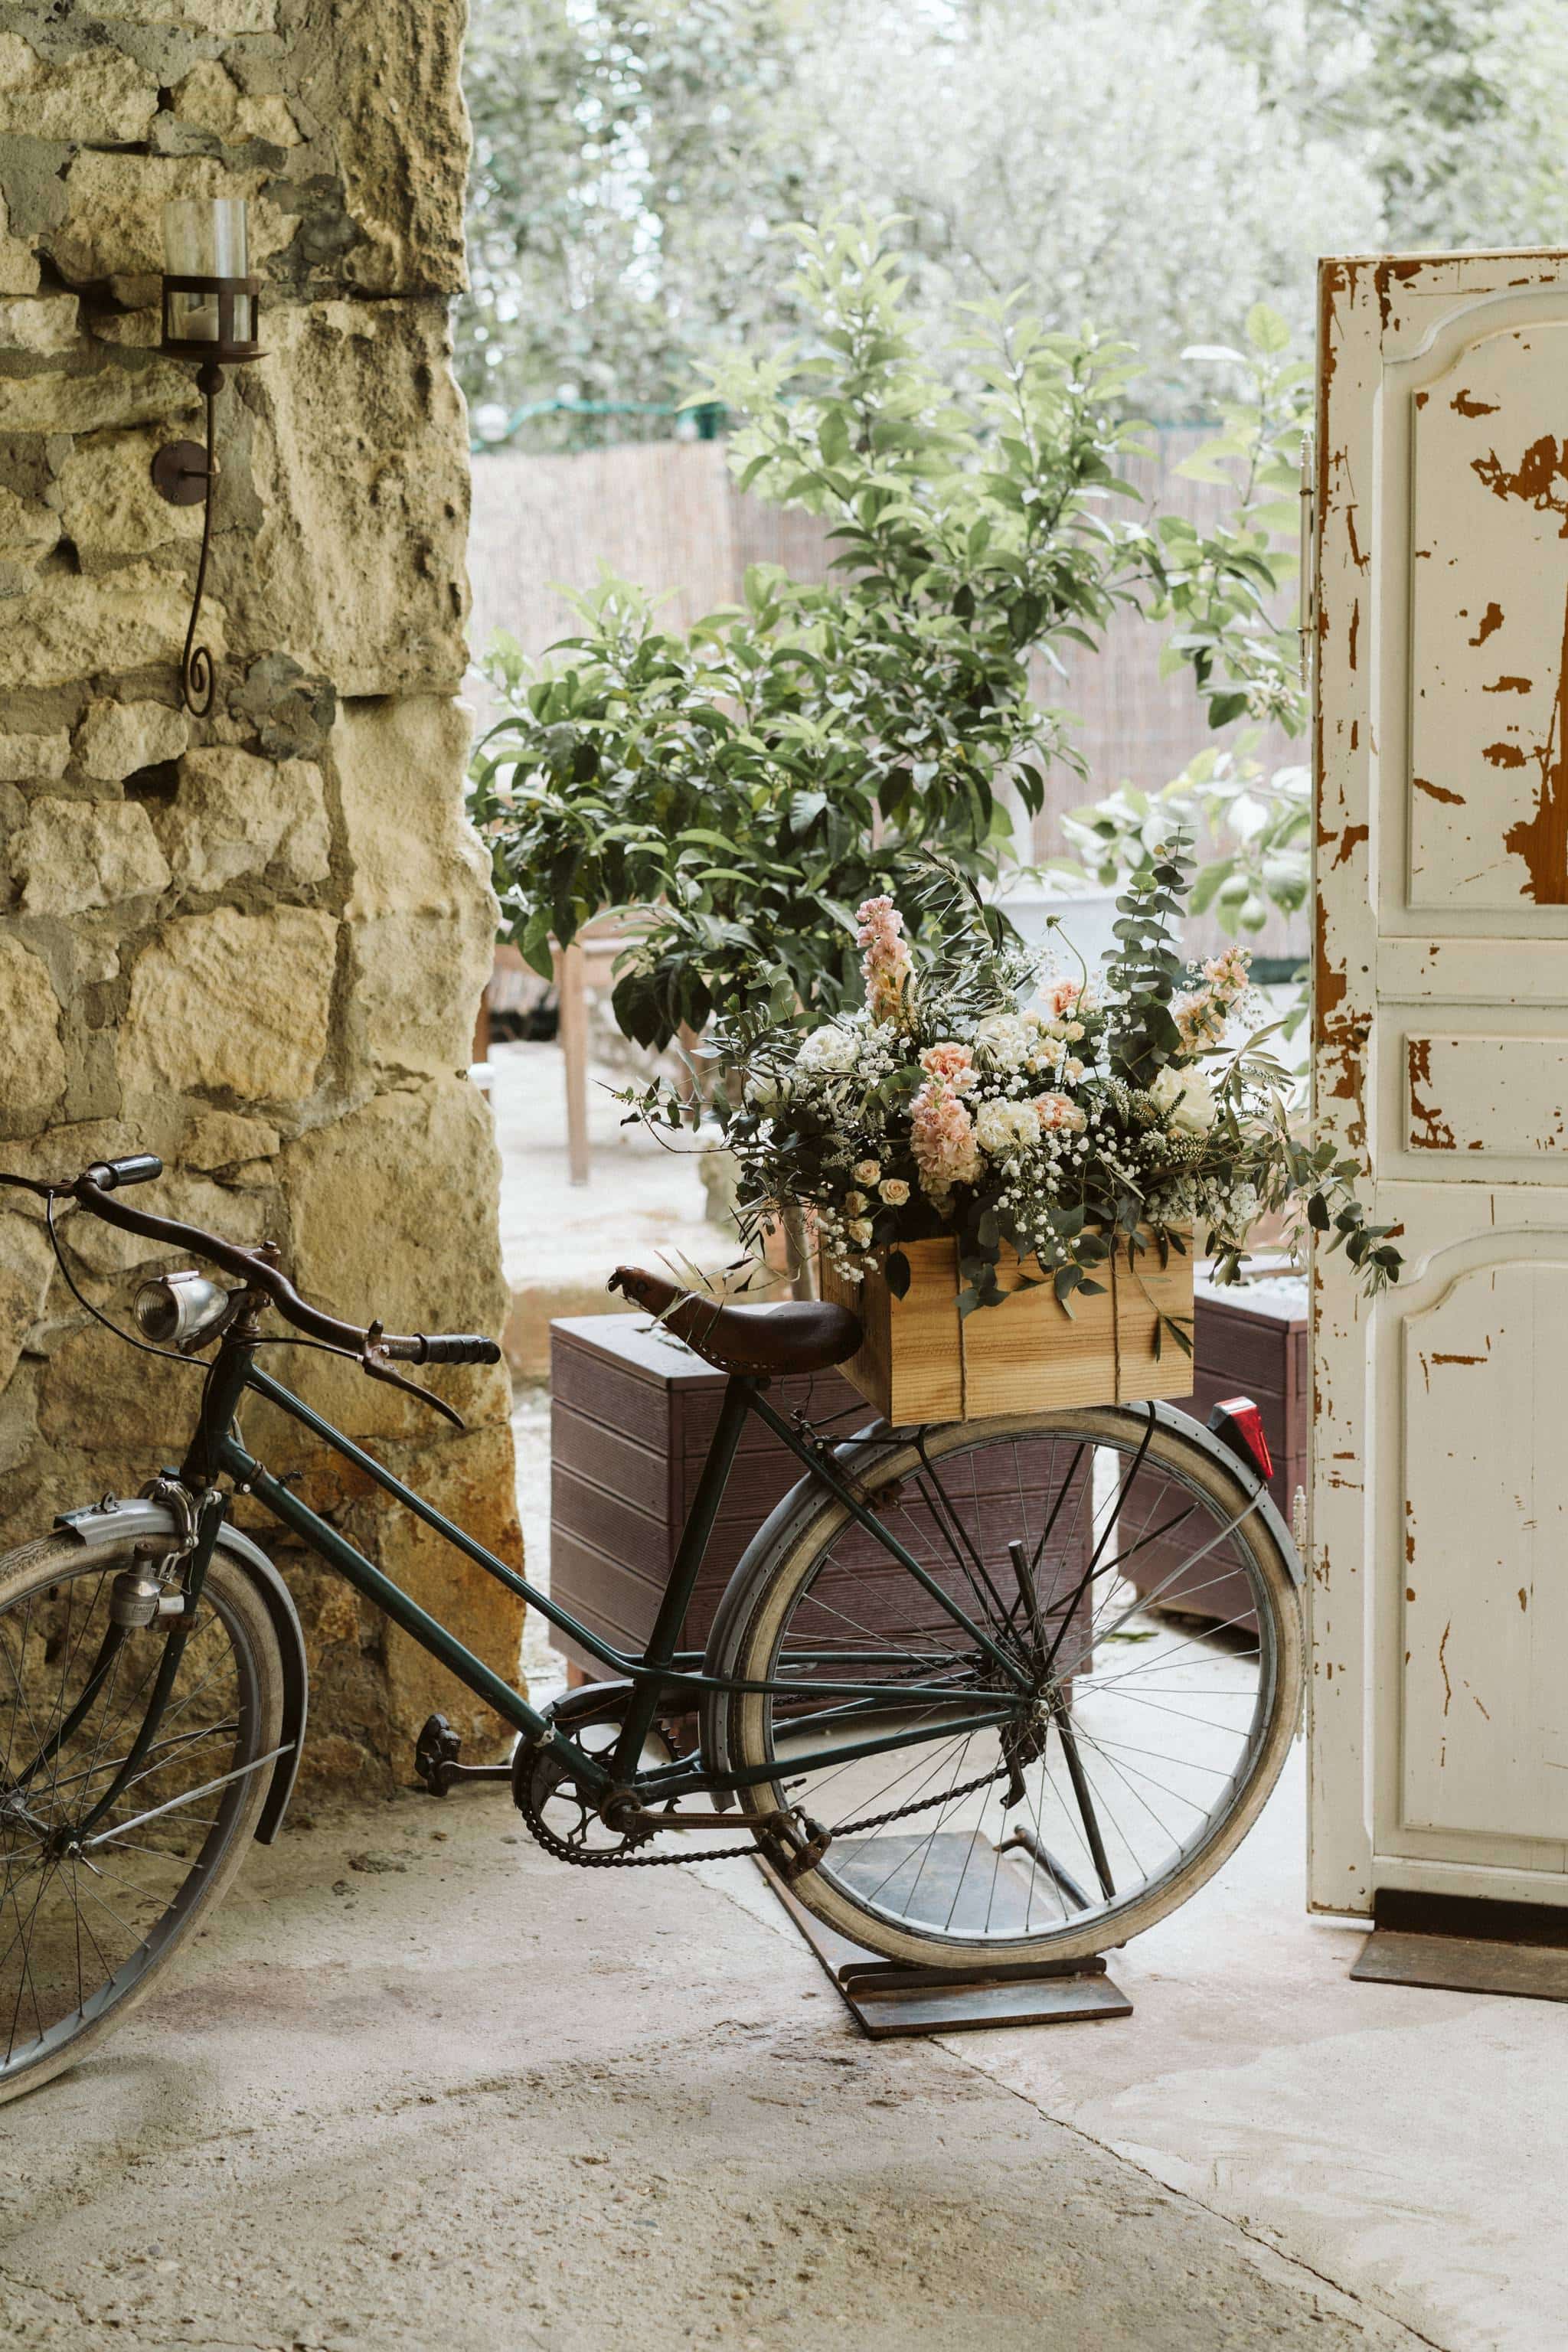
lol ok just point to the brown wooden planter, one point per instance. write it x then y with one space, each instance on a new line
632 1413
922 1360
1247 1342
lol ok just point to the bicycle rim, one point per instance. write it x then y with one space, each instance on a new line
1159 1645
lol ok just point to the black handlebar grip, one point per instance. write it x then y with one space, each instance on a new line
140 1168
460 1348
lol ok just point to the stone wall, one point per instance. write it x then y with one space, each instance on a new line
253 943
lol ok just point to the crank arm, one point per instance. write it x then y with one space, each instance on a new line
445 1776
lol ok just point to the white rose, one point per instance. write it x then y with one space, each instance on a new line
894 1191
831 1050
854 1203
1002 1129
868 1171
1005 1039
1184 1100
859 1230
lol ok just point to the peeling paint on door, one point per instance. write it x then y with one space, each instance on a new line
1439 1501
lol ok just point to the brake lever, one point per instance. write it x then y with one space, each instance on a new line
376 1365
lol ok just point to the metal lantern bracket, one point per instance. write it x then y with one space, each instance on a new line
184 472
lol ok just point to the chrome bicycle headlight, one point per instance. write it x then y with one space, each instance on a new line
179 1310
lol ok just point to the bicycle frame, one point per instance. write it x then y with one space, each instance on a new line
658 1673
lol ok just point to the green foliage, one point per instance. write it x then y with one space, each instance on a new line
626 178
1146 971
1263 826
1223 588
745 783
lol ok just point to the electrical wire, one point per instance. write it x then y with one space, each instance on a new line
146 1347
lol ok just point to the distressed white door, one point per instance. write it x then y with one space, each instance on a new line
1439 1518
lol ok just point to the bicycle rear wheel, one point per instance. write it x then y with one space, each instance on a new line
90 1912
1152 1630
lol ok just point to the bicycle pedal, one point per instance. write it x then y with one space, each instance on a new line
435 1754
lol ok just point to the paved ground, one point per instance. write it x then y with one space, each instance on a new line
420 2087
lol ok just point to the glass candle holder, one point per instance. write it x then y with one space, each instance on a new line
208 296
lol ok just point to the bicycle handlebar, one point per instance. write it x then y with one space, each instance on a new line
93 1189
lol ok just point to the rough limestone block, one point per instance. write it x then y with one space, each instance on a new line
115 739
233 813
108 507
401 133
100 95
38 322
33 759
393 1213
26 1261
132 393
74 856
73 626
420 907
112 1403
225 16
240 1213
472 1480
27 533
211 100
360 464
32 1065
221 1139
232 1004
114 225
18 262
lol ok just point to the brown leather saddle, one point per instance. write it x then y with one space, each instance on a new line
801 1336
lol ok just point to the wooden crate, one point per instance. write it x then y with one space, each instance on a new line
1248 1342
921 1360
632 1413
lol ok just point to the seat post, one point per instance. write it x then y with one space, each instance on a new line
664 1639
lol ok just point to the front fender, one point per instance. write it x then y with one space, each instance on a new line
140 1518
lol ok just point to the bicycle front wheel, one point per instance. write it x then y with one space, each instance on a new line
1129 1616
93 1904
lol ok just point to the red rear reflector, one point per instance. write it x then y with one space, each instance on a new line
1241 1422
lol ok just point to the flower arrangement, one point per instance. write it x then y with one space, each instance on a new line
1058 1118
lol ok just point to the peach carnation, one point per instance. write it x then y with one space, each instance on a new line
950 1061
885 962
1060 1114
942 1136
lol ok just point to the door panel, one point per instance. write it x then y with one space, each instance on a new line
1489 764
1485 1523
1439 1518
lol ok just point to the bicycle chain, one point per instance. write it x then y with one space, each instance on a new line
627 1859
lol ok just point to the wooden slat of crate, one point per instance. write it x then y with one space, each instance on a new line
1253 1347
631 1424
922 1361
633 1412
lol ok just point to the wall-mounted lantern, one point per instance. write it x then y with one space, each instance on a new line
211 313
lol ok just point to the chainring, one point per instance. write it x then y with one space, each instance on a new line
561 1817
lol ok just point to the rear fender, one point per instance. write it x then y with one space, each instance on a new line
142 1519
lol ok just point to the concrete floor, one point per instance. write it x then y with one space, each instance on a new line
419 2086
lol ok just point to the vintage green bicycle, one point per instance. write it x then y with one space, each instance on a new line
986 1695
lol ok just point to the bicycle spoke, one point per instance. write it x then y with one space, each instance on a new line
1042 1537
